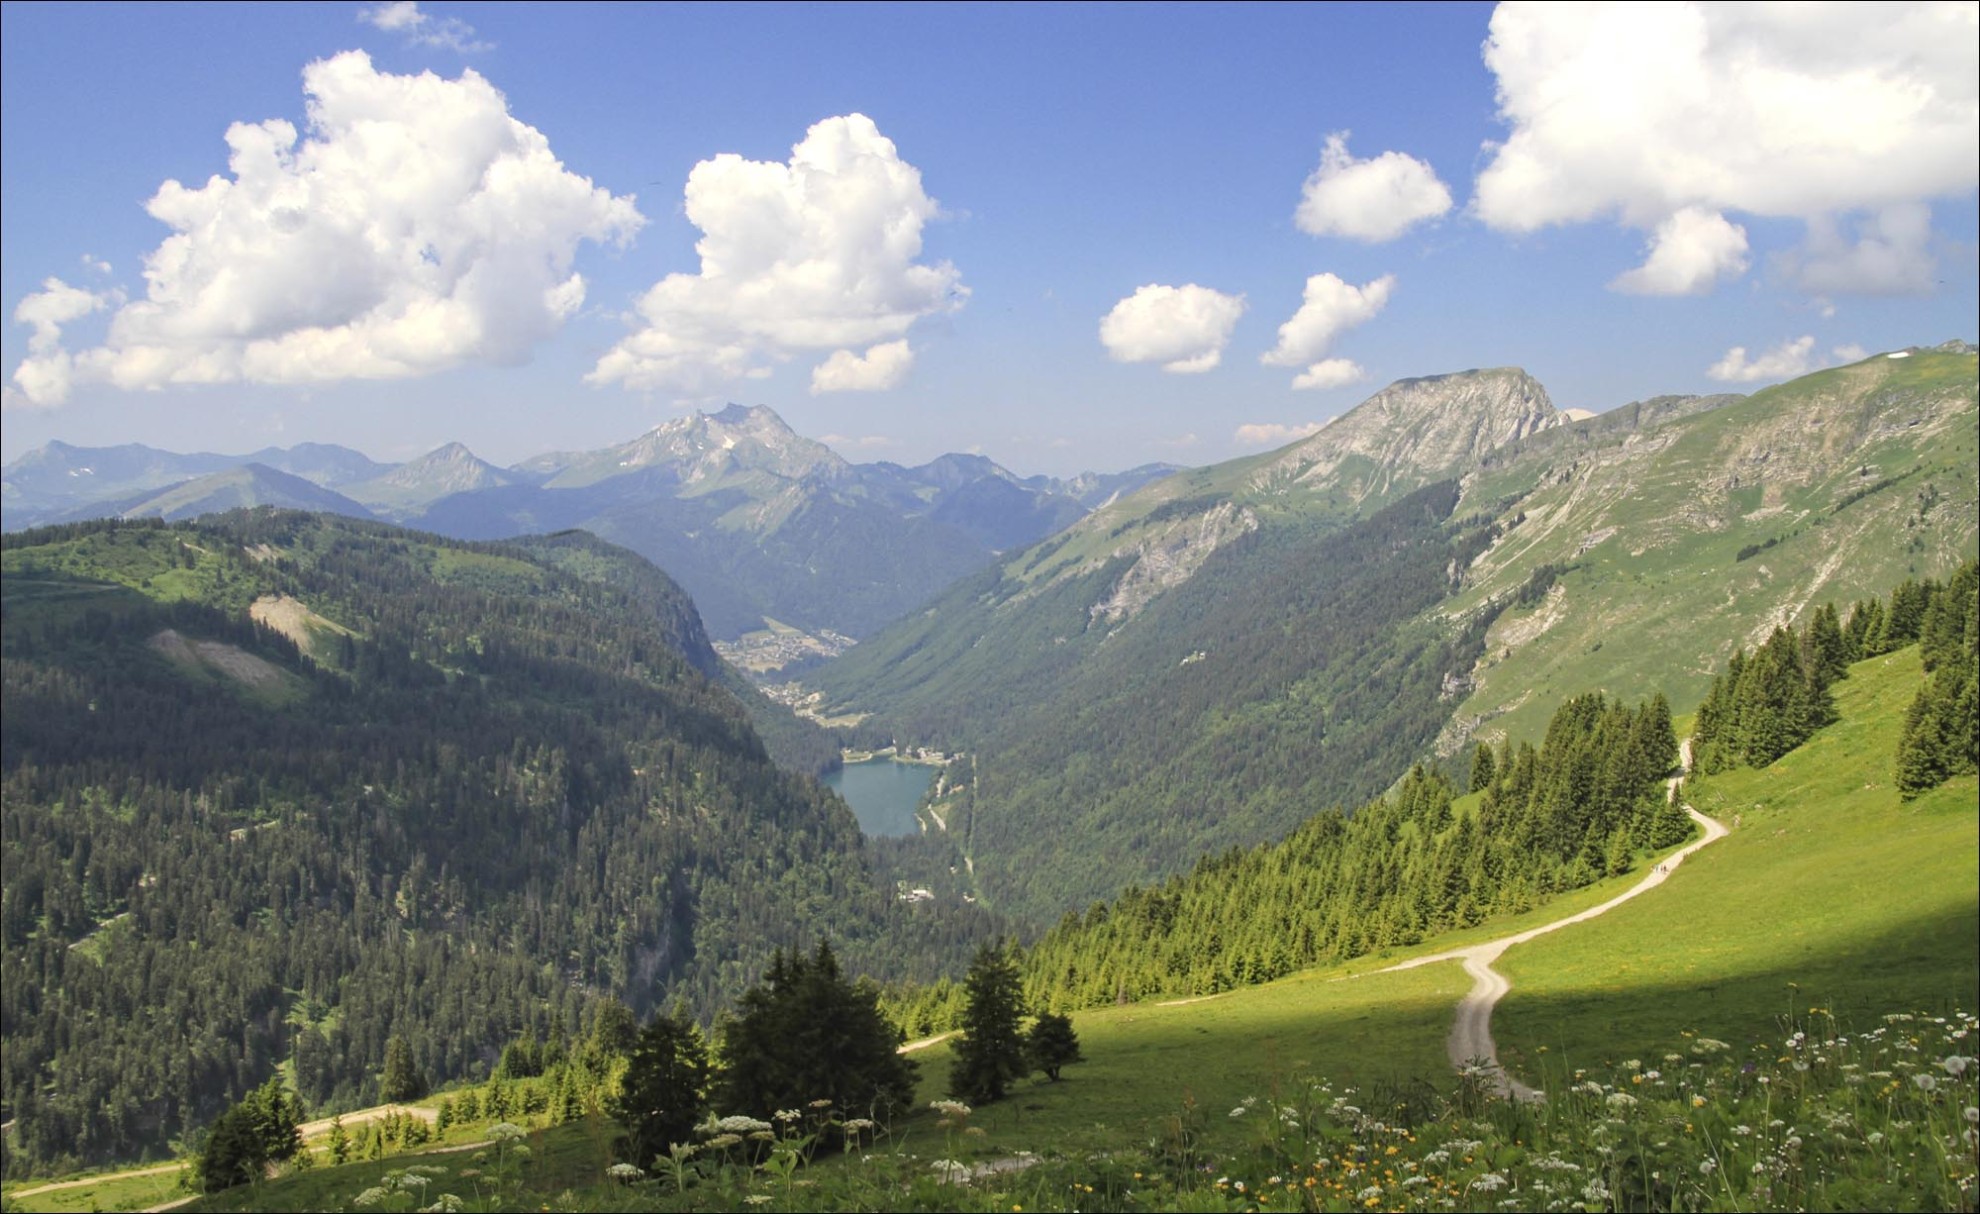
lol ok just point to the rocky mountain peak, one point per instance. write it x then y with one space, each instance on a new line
1418 429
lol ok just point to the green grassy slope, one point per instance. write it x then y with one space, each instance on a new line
1836 486
1829 892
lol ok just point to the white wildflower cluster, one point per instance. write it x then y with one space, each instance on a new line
1552 1162
733 1124
949 1108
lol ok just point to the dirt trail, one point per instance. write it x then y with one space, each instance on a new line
1470 1041
312 1129
925 1042
86 1181
309 1129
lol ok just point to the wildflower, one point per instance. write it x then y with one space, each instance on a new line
759 1199
740 1125
949 1108
370 1197
1956 1065
820 1104
1707 1166
447 1203
624 1173
1925 1082
787 1115
1489 1182
503 1131
1972 1115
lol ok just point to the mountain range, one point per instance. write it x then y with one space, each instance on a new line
1200 664
761 525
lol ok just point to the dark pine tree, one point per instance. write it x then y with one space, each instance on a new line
991 1055
665 1089
1052 1044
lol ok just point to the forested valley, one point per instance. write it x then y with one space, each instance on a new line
1526 825
1292 670
467 793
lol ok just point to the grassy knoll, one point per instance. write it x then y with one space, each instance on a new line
1829 892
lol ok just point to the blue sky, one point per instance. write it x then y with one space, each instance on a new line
918 218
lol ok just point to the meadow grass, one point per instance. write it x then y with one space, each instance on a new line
1829 892
1147 1060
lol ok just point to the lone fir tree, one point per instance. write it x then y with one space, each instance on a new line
991 1055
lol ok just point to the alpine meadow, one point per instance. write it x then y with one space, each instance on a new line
980 608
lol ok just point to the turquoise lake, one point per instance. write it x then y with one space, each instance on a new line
883 793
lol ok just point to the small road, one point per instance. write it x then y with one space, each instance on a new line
1470 1042
309 1129
925 1042
321 1126
85 1182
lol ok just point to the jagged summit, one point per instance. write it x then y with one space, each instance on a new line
1417 429
703 447
443 471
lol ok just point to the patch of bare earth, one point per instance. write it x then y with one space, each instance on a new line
236 663
294 620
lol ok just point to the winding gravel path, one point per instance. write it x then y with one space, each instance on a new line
1470 1042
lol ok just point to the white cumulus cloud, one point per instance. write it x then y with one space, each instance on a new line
1689 253
1184 328
417 227
1372 200
423 29
1330 307
816 253
1330 373
882 367
1273 434
43 377
1638 113
1785 361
